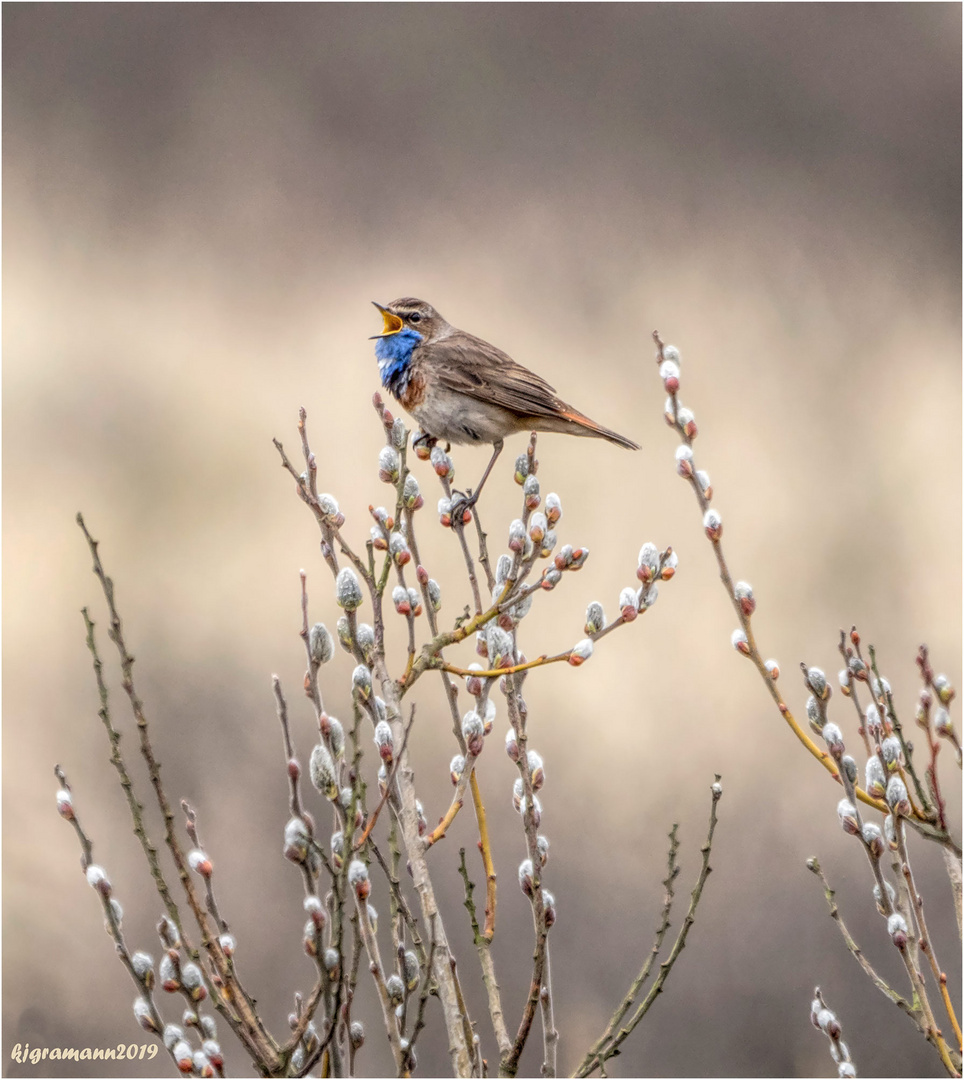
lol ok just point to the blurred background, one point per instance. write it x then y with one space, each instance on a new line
200 202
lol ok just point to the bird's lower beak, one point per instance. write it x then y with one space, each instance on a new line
392 322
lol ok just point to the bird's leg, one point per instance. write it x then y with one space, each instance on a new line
465 502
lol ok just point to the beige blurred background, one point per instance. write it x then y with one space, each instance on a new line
199 203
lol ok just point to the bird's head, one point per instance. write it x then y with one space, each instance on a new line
409 314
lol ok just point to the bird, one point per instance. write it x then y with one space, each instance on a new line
461 389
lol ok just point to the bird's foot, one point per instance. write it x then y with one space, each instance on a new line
462 507
422 445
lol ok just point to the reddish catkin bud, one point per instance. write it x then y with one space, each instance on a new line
442 463
896 796
473 684
847 813
473 731
144 1016
738 640
400 599
358 879
384 741
773 669
170 972
687 422
713 525
200 863
669 373
183 1056
511 745
97 879
65 805
550 579
580 652
537 527
525 876
648 563
388 465
399 549
628 604
537 772
833 737
684 461
548 907
743 593
874 839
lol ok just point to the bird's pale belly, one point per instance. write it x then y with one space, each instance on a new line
460 419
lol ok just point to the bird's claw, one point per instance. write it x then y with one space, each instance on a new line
462 506
422 445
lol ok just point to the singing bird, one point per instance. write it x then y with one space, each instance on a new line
463 390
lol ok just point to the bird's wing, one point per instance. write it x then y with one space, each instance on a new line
468 365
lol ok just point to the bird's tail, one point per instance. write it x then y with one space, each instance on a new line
579 424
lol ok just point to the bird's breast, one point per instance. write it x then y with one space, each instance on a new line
412 394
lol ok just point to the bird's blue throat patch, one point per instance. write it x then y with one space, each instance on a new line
394 356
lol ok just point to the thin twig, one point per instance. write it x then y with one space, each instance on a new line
488 968
594 1053
753 653
111 922
241 1014
591 1063
388 785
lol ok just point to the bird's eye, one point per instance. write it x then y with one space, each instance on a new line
414 317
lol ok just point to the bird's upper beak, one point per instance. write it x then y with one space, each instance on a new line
392 322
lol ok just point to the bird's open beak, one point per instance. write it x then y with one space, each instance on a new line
392 322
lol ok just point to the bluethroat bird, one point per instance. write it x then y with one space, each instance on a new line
463 390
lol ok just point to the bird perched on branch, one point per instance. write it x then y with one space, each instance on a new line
463 390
